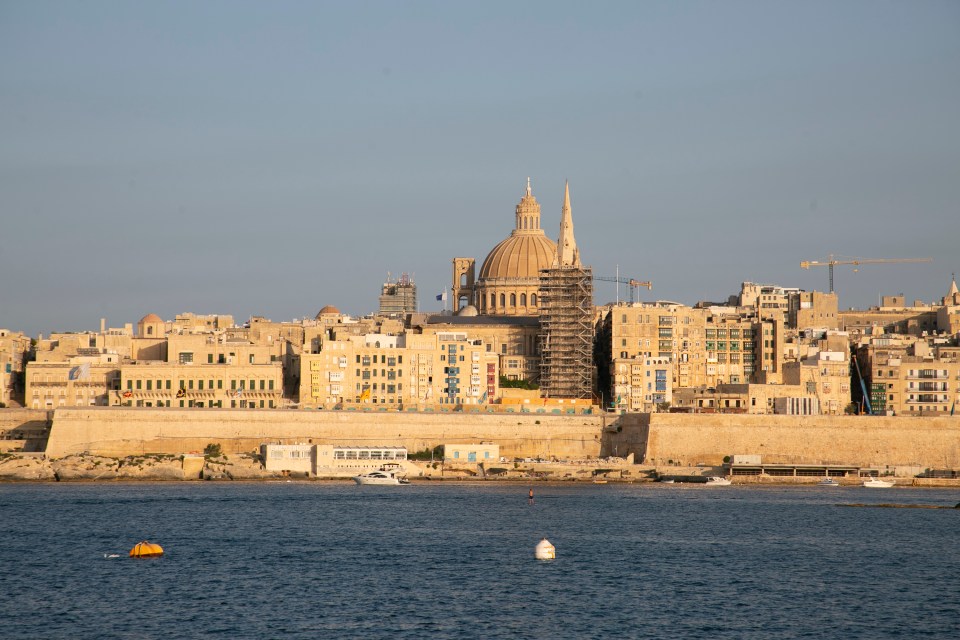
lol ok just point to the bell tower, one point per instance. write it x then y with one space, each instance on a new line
464 279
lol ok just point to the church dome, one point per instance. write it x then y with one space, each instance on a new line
519 256
328 310
150 318
468 311
526 251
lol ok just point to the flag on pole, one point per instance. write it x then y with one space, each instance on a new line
953 406
365 395
81 372
442 296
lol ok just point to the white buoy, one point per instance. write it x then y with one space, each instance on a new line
545 550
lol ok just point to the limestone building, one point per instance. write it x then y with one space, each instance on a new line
511 339
72 370
442 369
509 280
14 347
907 375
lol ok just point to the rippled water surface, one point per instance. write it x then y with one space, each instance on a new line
315 560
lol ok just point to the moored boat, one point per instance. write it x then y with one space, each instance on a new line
717 481
828 482
383 475
877 483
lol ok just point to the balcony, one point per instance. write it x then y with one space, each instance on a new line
927 398
927 374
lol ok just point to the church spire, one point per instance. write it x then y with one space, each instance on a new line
567 253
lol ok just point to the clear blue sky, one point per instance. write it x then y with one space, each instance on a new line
268 158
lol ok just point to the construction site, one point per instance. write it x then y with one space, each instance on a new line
566 332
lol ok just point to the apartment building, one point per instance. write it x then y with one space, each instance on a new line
445 368
910 376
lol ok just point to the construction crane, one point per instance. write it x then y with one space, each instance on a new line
632 283
806 264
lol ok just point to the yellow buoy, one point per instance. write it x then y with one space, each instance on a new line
146 550
545 550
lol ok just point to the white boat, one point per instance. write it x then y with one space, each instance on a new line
828 482
717 481
877 483
381 476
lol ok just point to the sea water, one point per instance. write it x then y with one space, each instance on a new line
450 560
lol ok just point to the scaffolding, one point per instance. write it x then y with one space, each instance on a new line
566 332
398 297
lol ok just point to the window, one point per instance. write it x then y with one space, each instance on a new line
533 299
513 299
523 299
186 357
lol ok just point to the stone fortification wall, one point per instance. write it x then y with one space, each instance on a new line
23 429
654 439
11 419
121 431
854 440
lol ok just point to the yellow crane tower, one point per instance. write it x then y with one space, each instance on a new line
806 264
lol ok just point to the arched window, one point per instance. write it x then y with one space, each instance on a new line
503 299
493 300
149 331
533 299
513 299
523 299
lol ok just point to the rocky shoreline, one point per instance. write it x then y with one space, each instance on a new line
152 467
248 467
